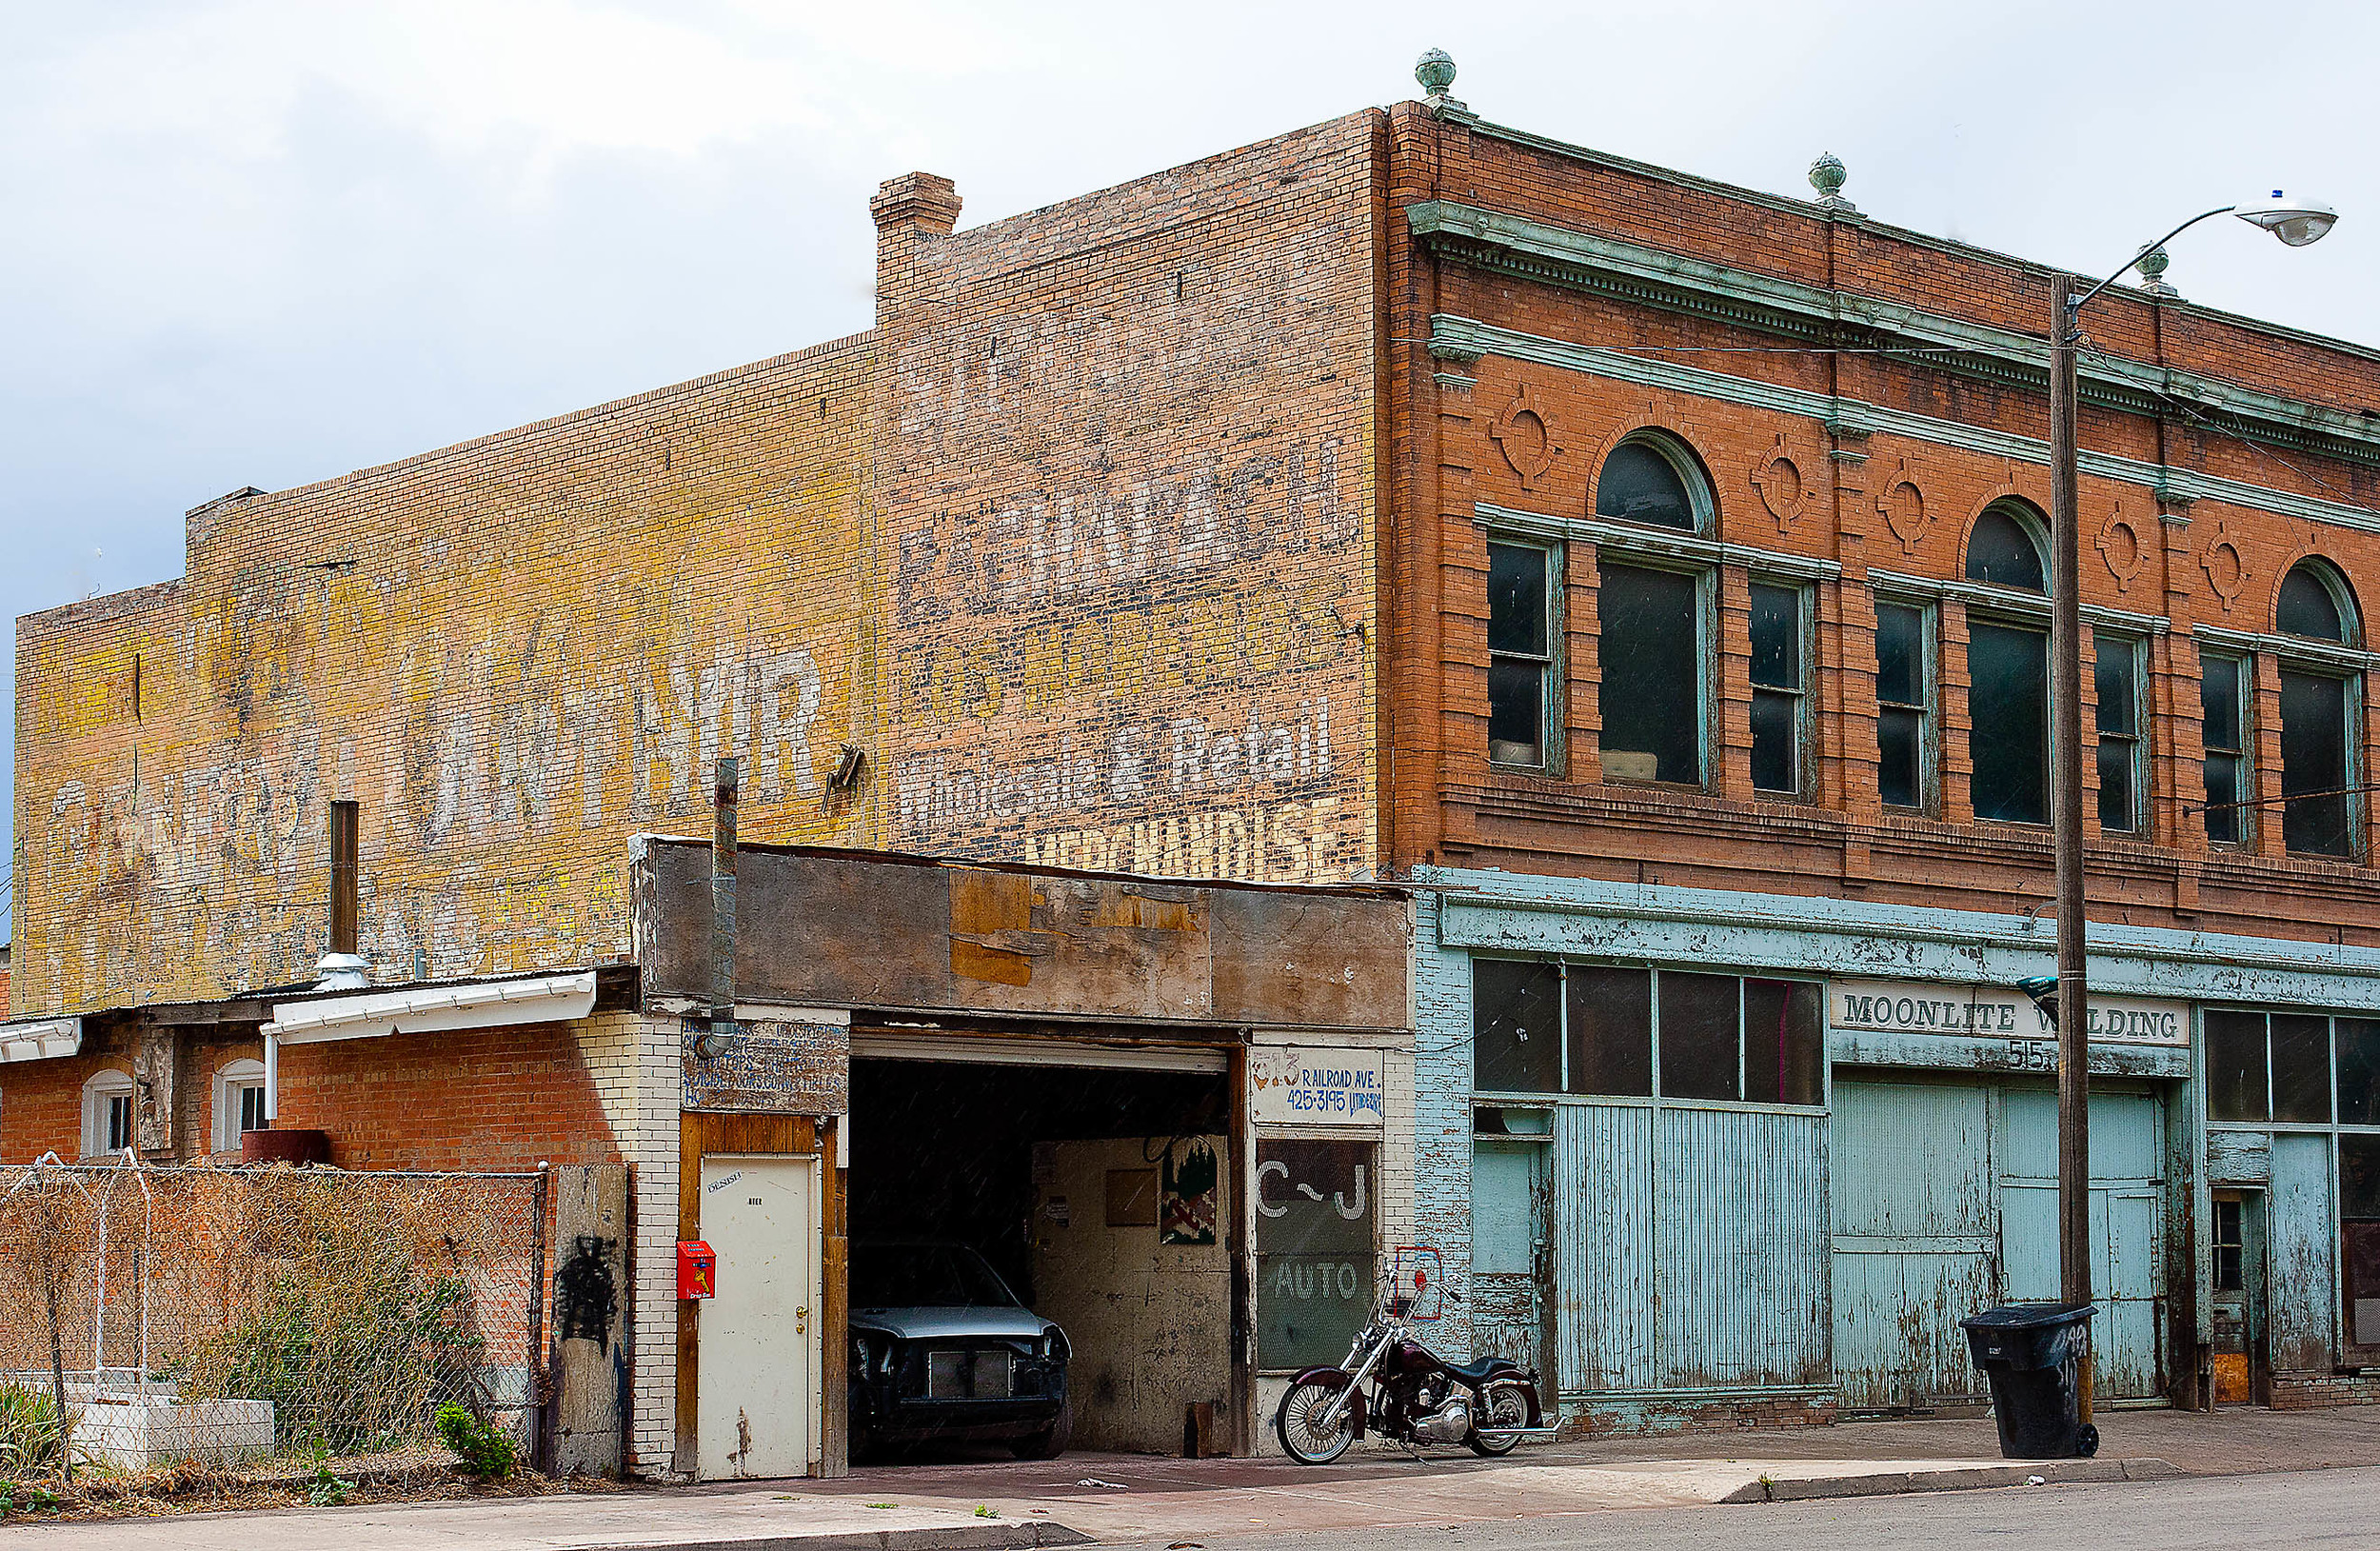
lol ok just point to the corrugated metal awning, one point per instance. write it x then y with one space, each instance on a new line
40 1039
433 1009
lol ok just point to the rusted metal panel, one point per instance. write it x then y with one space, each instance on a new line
845 929
1741 1215
1330 960
2304 1267
1603 1254
1915 1226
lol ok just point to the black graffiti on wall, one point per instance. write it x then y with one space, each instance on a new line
585 1295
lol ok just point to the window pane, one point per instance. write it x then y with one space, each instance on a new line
251 1109
1641 486
2220 702
2361 1241
2235 1089
119 1122
2010 707
2313 759
2301 1068
2115 785
2226 1246
1515 599
2001 551
2306 608
1900 738
1776 637
1782 1041
1652 667
1516 711
1517 1026
2359 1176
1611 1031
1776 758
2115 680
2223 795
1900 654
1698 1030
2359 1070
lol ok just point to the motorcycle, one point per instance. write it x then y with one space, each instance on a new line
1416 1397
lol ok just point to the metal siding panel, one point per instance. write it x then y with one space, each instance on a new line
2304 1275
1603 1246
1742 1278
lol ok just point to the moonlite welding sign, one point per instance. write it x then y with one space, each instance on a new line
1881 1007
772 1067
1298 1086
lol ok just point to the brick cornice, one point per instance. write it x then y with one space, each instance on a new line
1771 303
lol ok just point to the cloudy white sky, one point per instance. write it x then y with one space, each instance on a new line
262 243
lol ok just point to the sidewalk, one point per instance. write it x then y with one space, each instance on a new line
1107 1497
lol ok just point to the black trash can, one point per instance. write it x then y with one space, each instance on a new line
2033 1353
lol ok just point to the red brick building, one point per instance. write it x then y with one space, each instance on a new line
1652 568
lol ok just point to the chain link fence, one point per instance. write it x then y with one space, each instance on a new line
219 1315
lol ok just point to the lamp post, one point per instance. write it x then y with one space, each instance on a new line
2296 221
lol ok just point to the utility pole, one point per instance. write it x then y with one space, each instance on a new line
2066 793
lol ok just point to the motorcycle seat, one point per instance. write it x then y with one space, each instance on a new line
1473 1373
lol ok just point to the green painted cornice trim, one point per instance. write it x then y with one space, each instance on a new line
1654 277
1856 417
1810 210
1620 538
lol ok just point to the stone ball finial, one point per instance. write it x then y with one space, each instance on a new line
2153 263
1435 69
1825 176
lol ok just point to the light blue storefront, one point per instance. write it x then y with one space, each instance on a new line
1677 1230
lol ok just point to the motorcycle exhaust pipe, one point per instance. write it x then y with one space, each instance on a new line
1527 1435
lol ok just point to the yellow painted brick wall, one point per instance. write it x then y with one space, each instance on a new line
1075 547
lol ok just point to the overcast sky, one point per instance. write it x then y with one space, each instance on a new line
266 243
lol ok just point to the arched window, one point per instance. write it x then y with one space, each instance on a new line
2008 671
2315 603
2320 731
239 1101
2005 547
107 1113
1649 479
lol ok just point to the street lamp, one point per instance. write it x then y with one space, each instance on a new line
2296 222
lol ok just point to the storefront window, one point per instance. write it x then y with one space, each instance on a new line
2301 1068
1610 1030
2359 1236
1720 1037
2235 1073
2359 1071
1315 1257
1517 1025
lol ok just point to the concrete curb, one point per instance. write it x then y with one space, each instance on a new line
1889 1483
1001 1536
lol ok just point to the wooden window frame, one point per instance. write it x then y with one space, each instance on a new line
1552 666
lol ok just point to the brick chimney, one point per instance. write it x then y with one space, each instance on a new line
911 211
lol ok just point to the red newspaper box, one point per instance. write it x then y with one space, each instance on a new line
697 1269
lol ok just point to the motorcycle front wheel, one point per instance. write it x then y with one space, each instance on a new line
1504 1403
1298 1422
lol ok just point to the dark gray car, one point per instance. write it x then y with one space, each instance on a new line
942 1349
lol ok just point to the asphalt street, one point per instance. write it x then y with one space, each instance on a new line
2328 1508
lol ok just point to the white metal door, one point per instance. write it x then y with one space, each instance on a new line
757 1378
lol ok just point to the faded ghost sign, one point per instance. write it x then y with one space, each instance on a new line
774 1066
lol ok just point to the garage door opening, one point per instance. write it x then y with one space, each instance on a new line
1023 1231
